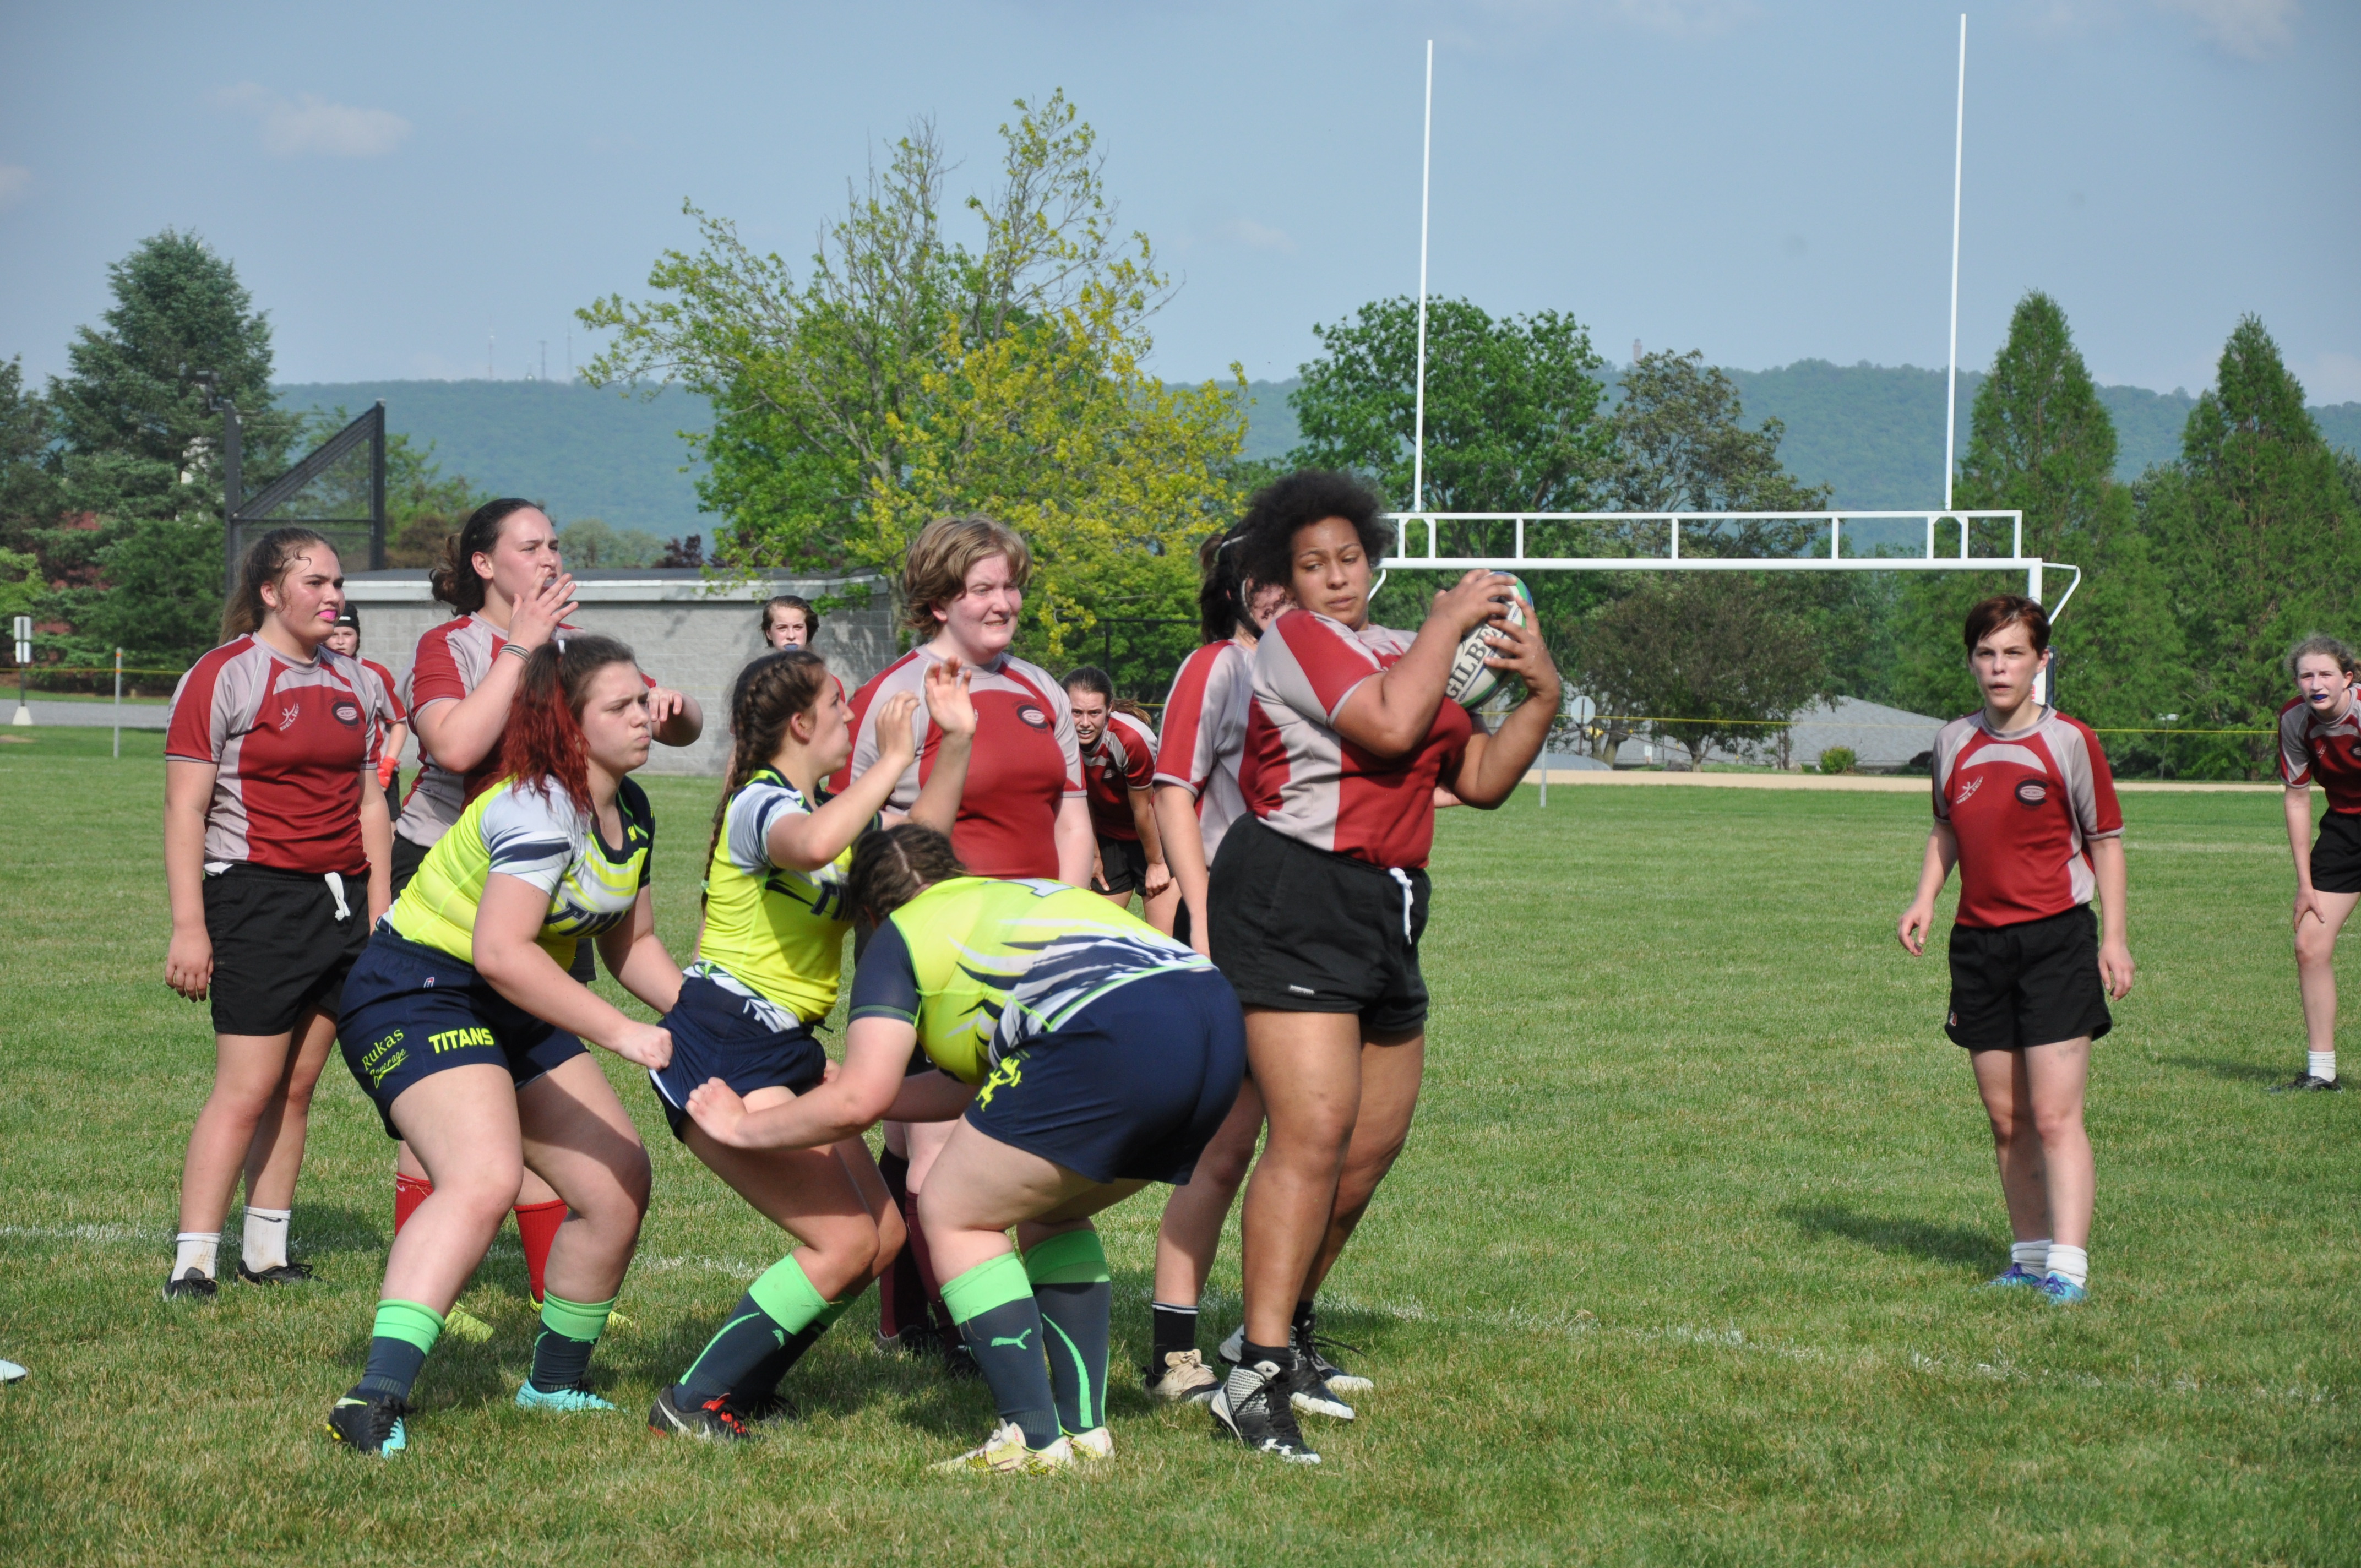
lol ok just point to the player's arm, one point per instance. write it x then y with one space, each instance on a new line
635 956
460 732
2115 966
950 711
1151 842
847 1104
1942 854
388 755
508 921
1078 847
1184 851
1495 764
377 840
806 841
188 795
1389 713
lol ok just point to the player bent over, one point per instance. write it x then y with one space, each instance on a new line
2026 806
2319 736
1089 1055
766 971
461 1023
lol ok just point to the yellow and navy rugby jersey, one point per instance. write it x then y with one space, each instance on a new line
982 967
778 933
538 836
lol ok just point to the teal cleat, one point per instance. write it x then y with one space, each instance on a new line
2063 1291
567 1401
369 1424
2018 1275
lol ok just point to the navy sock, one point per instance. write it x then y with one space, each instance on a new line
392 1367
1002 1324
1069 1271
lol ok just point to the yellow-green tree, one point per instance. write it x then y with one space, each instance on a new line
907 376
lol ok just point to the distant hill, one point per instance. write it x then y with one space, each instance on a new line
1874 433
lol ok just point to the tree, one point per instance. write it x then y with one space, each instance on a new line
589 545
1681 445
2264 541
423 506
142 449
908 375
1718 651
31 498
2040 441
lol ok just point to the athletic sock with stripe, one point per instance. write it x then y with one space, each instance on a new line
569 1333
1076 1298
776 1308
992 1304
764 1379
398 1343
1176 1332
265 1243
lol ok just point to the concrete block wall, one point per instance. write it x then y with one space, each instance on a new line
689 632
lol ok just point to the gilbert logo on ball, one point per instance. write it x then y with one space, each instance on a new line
1473 683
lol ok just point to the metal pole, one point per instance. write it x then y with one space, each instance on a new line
118 702
1425 183
1951 381
376 493
2033 592
233 492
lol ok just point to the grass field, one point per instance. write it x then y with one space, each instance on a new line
1679 1268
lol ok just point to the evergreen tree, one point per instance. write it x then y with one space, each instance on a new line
2041 443
2263 539
142 449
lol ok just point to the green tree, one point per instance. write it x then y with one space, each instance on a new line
2263 538
31 495
2040 441
590 544
908 375
1725 655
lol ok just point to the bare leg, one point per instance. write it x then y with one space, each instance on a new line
1191 1234
577 1133
276 1156
1308 1066
461 1124
1391 1075
2008 1102
532 1190
2315 967
2057 1075
251 1071
1161 910
989 1186
810 1194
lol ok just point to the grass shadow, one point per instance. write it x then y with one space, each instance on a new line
331 1228
1913 1238
2221 1067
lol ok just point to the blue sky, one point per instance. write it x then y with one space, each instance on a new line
1765 181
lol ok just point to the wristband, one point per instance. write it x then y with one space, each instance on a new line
520 652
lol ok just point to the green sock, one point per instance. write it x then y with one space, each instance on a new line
569 1333
764 1381
993 1305
775 1309
404 1335
1076 1298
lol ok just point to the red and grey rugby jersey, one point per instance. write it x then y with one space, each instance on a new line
383 695
2327 751
1306 781
2025 806
1123 761
1024 765
289 741
1206 733
452 660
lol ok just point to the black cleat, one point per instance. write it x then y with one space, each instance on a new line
2307 1084
1309 1392
772 1407
1314 1346
196 1287
714 1421
277 1273
1263 1418
369 1424
916 1339
959 1361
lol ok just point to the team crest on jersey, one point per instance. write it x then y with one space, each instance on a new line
2031 793
347 714
1032 716
1967 789
288 712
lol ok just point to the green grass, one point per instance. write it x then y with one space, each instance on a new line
1679 1266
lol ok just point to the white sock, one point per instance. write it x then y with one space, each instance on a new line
2033 1255
2324 1065
266 1237
2072 1264
197 1250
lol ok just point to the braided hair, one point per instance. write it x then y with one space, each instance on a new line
770 691
894 867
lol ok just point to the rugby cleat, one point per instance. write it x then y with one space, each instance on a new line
2018 1275
1005 1453
1263 1418
10 1372
369 1424
1185 1378
2063 1291
1312 1394
1097 1445
1314 1346
712 1421
2307 1084
192 1285
462 1324
772 1407
565 1401
277 1273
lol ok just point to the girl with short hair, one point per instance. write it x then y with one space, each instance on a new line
2320 737
464 1027
1084 1055
276 852
2024 806
392 720
766 972
1117 741
788 620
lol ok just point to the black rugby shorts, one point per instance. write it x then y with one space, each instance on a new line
280 951
2033 983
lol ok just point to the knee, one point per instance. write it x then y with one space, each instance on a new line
890 1237
1223 1166
2315 945
2058 1126
484 1196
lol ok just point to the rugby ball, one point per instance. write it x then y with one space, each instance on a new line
1473 683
